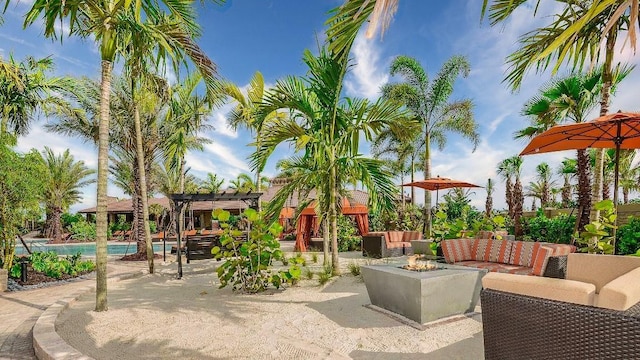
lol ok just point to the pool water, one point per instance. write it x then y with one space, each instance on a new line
88 249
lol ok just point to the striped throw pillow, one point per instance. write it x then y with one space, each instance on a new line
456 250
523 252
541 258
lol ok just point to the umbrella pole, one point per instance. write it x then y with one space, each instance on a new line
615 186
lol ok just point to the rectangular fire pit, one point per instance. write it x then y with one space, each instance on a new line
423 296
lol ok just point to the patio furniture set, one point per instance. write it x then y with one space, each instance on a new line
573 306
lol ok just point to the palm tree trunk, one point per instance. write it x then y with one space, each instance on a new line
584 188
180 228
143 183
427 175
56 224
518 200
325 242
413 188
509 195
625 195
101 207
333 214
566 191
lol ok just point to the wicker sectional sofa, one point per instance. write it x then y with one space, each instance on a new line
504 256
592 314
388 243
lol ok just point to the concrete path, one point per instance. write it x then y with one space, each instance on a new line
19 310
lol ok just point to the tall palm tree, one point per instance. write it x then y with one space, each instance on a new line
488 204
628 175
185 119
428 102
327 128
567 169
504 170
102 20
518 196
402 154
543 175
510 169
212 184
247 111
62 182
583 31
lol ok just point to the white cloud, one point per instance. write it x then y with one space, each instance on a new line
219 121
367 76
226 155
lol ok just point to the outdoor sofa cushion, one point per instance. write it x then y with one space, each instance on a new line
622 292
576 292
599 269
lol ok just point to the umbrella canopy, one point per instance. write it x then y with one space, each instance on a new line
618 131
613 131
438 183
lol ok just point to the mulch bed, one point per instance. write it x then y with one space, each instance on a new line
35 278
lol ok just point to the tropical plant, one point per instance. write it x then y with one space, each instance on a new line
24 92
244 183
488 204
568 169
63 179
247 263
628 237
246 113
51 265
597 237
558 229
582 31
212 184
505 171
347 239
401 154
628 174
21 186
429 105
326 128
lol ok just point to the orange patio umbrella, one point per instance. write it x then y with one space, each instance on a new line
438 183
618 131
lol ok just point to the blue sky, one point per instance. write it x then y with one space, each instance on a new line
242 37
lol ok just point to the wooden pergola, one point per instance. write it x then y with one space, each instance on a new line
181 200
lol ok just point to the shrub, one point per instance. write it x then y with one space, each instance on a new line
628 237
596 237
121 224
354 269
558 229
68 219
347 239
247 265
83 231
314 258
50 264
308 273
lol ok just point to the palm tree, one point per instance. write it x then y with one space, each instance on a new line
185 119
504 170
568 169
62 182
247 111
488 204
25 91
327 129
543 175
569 99
628 175
244 183
429 105
518 197
211 184
401 154
576 35
103 21
510 169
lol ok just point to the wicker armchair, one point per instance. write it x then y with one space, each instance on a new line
519 325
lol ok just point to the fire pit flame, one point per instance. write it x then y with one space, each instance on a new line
414 265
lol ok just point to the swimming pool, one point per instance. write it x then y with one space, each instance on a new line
86 249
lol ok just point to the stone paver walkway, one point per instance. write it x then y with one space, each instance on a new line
20 310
